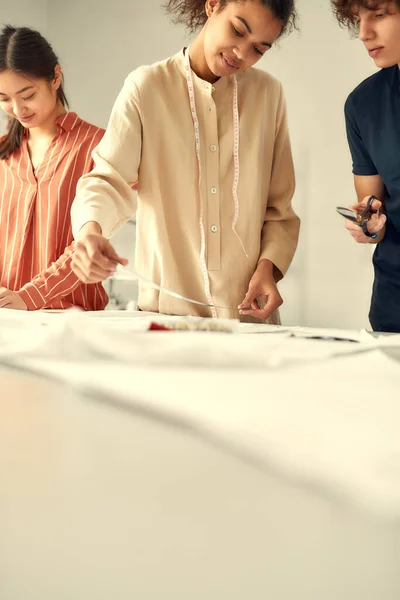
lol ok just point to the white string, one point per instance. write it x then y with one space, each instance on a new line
131 274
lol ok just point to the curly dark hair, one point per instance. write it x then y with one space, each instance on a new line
345 11
191 13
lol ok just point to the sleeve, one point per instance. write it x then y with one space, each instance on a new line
106 194
362 162
51 284
281 227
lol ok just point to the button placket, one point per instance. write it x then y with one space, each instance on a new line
213 185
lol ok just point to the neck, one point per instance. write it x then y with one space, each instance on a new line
198 61
49 127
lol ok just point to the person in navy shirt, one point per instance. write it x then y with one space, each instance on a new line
372 113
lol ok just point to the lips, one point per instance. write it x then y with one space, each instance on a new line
26 119
374 51
230 63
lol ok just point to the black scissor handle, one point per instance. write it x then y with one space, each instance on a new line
368 210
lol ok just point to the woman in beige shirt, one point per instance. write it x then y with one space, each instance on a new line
203 138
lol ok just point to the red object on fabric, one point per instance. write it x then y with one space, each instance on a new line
157 327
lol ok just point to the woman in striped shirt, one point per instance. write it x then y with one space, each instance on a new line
46 151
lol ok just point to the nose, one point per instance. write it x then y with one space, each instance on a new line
365 31
18 107
240 52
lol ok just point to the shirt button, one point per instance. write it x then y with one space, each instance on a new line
214 228
213 190
213 89
213 148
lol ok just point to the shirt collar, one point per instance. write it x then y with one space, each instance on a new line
222 84
68 121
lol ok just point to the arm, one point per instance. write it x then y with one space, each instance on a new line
51 284
367 181
105 199
280 232
105 195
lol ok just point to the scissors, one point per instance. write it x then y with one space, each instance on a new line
360 218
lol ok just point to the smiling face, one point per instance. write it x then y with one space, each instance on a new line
237 35
379 30
33 102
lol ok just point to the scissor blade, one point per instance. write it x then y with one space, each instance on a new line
348 214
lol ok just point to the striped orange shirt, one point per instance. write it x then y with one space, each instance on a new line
36 241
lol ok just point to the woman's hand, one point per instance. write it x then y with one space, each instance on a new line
262 297
94 259
9 299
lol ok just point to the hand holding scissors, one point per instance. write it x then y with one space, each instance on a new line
364 220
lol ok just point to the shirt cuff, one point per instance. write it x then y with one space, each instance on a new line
32 297
109 225
280 256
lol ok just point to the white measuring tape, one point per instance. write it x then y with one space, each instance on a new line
130 274
235 153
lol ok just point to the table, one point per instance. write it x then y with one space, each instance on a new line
131 490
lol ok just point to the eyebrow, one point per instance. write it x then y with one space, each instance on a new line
245 23
29 87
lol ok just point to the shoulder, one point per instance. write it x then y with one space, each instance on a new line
157 73
262 80
89 130
86 133
372 88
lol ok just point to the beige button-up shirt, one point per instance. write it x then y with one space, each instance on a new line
150 142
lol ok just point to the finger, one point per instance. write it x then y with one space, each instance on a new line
360 206
246 310
91 255
86 278
360 238
376 223
5 301
259 313
375 205
104 256
350 226
255 305
91 270
248 299
265 308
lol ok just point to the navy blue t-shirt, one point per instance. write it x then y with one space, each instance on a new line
373 130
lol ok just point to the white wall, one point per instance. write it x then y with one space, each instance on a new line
24 13
100 41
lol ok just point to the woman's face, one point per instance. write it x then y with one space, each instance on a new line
32 101
237 35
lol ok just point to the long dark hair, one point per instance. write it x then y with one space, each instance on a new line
191 13
23 50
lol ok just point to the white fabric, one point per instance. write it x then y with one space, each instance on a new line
323 412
